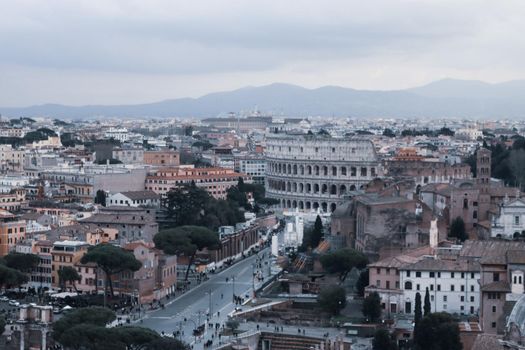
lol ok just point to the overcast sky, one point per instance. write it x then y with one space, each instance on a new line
113 52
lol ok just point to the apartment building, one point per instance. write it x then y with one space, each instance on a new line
82 183
253 165
133 224
65 253
128 155
162 158
12 231
156 278
11 159
453 285
216 181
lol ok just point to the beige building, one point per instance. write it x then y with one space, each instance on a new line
12 231
162 158
216 181
65 253
11 159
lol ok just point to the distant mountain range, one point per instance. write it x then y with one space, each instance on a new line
440 99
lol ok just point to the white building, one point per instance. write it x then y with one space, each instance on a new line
120 134
453 285
128 155
253 165
134 199
510 220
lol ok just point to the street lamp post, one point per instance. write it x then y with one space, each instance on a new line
209 295
233 288
253 279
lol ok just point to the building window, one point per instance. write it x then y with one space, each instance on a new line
431 287
493 308
472 299
408 273
439 287
495 276
431 274
418 287
451 287
418 273
516 220
462 298
408 285
444 298
493 324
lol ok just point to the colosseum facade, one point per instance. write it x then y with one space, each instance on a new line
312 171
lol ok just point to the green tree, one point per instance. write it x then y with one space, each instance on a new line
232 324
417 309
317 233
372 307
100 198
445 131
388 133
362 282
135 337
383 341
187 241
342 261
21 261
165 343
68 274
332 299
112 260
86 336
11 278
437 331
94 315
426 306
312 235
457 229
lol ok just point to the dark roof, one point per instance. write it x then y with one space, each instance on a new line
431 264
138 195
487 342
485 249
119 219
500 286
31 216
516 257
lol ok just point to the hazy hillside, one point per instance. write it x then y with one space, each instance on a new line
444 98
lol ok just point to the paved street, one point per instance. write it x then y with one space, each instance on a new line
195 304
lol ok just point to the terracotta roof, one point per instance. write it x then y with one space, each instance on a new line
395 261
500 286
431 264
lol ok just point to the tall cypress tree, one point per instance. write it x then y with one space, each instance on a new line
317 232
426 307
417 309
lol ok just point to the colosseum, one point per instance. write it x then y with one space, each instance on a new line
313 171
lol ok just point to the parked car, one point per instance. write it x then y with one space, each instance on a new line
4 299
14 303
